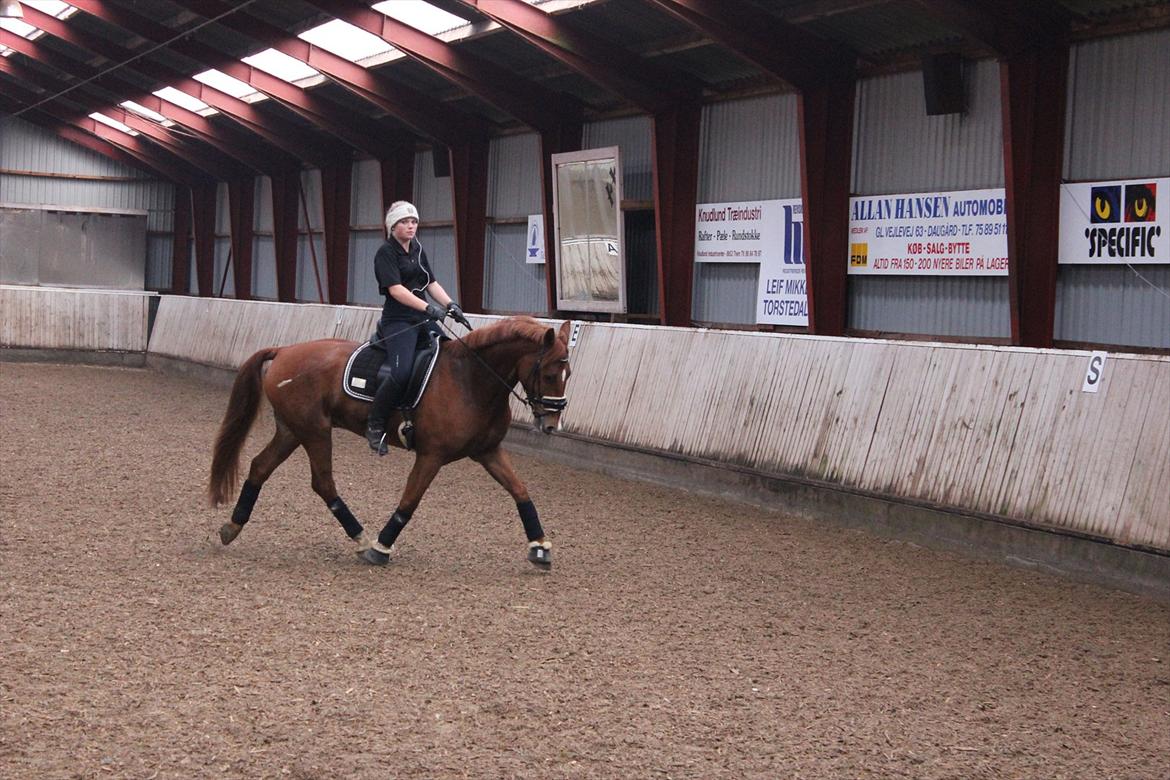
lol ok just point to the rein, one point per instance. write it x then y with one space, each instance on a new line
376 341
540 405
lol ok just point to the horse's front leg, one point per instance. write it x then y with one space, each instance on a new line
499 465
421 475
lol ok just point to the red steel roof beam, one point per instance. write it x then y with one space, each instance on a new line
278 133
771 44
358 131
419 111
531 103
643 83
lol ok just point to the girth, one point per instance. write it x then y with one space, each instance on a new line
361 378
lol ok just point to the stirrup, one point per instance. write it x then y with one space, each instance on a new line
377 441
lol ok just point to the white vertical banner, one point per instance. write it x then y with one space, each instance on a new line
535 250
782 294
768 232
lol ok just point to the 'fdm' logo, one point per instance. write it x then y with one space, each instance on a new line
1109 210
859 255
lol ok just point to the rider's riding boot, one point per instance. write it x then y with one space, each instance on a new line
376 421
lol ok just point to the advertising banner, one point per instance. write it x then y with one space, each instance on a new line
1114 222
534 252
960 233
768 232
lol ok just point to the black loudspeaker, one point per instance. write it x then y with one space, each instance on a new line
942 84
441 161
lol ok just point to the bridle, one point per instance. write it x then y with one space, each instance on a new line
541 405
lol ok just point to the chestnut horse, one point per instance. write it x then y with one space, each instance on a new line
464 413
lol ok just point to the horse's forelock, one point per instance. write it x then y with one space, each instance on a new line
519 327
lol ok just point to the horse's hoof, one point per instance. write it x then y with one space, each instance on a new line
540 554
374 557
228 532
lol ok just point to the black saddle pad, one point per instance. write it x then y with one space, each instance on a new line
361 378
361 373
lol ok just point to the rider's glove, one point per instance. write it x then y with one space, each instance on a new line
455 313
434 312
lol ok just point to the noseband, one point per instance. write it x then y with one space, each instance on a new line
543 405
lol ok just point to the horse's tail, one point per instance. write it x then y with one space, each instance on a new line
237 421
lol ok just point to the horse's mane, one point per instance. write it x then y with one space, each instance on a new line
518 327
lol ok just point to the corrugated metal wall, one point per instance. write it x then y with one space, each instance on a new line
28 148
633 137
432 196
1114 305
510 283
1118 127
1119 108
263 247
367 232
311 265
736 163
725 292
898 148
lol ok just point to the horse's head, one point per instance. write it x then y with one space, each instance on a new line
544 376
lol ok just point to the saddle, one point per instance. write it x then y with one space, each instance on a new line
361 379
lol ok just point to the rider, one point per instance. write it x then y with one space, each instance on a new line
403 273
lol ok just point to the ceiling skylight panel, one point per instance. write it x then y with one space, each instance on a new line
52 8
281 65
225 83
420 15
143 111
17 27
183 100
343 39
114 123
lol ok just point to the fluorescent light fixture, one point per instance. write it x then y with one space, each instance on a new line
10 9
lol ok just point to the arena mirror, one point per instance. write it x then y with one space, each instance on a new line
589 235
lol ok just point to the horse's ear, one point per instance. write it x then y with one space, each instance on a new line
565 329
550 337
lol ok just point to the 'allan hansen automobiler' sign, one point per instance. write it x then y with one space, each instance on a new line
960 233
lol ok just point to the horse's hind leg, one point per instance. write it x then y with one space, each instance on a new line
274 453
499 465
320 450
